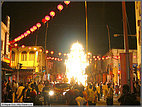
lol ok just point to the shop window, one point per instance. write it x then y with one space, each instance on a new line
13 56
1 45
31 56
24 56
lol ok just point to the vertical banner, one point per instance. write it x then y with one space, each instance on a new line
131 70
123 68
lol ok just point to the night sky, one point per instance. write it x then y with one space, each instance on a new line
68 26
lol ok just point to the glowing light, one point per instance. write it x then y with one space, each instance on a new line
40 50
67 2
23 46
28 32
46 51
25 34
59 53
52 52
65 54
38 25
51 93
31 29
15 44
52 13
34 27
60 7
76 64
35 49
30 48
22 36
15 40
94 56
47 18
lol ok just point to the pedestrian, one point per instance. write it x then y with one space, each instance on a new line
33 94
104 90
109 100
101 90
45 92
116 89
127 98
9 91
36 87
4 92
98 92
40 87
91 95
19 92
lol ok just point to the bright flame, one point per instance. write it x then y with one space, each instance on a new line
76 64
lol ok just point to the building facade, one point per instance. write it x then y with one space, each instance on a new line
138 31
5 53
112 64
32 60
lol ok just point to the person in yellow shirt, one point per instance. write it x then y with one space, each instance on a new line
105 90
40 87
98 92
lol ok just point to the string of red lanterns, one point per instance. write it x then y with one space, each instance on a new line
38 25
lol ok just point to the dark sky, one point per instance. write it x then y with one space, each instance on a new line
68 26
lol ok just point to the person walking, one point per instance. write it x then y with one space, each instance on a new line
98 92
91 96
33 94
19 92
109 100
40 87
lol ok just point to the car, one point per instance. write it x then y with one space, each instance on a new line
57 93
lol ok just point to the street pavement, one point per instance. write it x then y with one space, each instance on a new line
102 102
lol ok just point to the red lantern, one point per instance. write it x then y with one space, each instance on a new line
22 36
59 53
47 18
46 51
25 34
52 52
38 25
15 39
23 46
67 2
60 7
34 27
43 20
28 32
52 13
31 29
15 44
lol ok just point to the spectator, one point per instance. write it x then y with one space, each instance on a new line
127 98
98 92
19 92
109 100
45 92
40 87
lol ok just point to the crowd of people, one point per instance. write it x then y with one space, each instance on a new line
77 95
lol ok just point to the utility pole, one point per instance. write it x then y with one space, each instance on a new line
126 43
110 52
86 27
45 47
